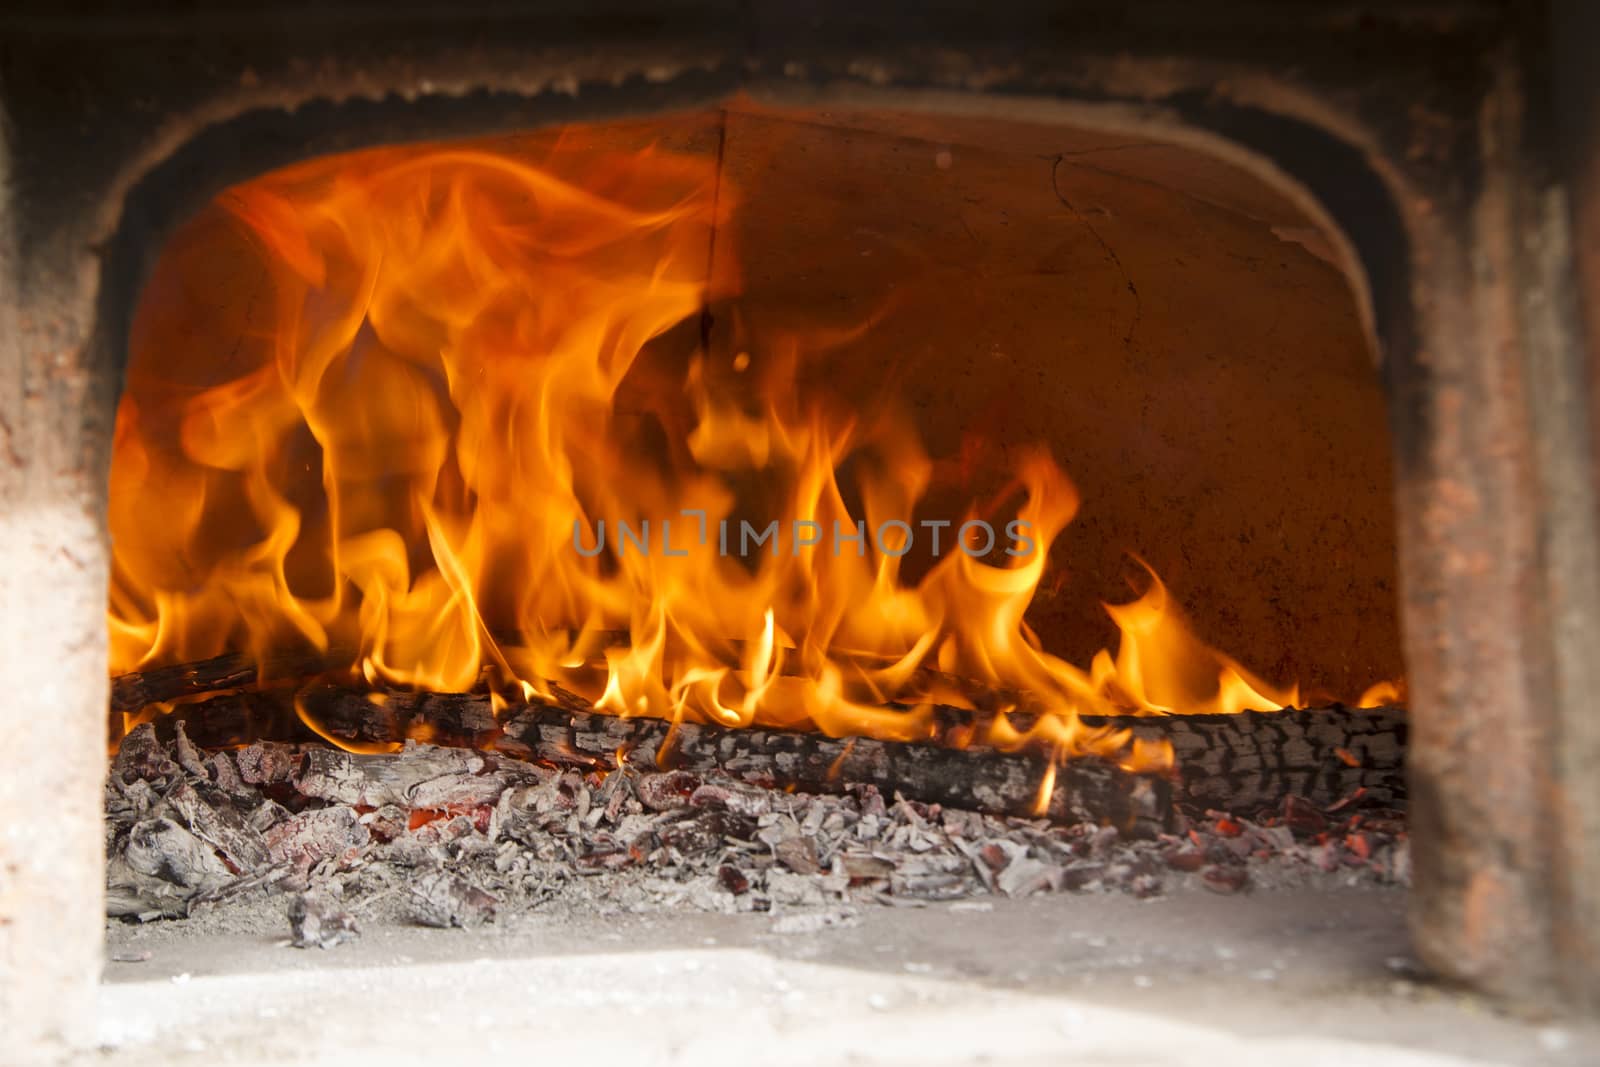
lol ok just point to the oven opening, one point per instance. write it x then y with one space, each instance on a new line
760 509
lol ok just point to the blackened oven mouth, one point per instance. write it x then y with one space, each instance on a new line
757 511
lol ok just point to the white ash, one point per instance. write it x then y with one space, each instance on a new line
475 838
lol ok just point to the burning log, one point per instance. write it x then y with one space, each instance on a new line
1244 762
572 734
1255 759
979 779
139 689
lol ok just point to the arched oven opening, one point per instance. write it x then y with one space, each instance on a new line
798 498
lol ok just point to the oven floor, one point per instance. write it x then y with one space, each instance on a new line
1279 976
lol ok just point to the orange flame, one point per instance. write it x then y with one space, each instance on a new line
448 377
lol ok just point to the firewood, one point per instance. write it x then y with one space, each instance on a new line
1257 758
981 779
234 670
573 735
1244 762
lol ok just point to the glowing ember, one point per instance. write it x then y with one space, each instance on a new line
461 421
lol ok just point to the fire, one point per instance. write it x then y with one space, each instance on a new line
456 417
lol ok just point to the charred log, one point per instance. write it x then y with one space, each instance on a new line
139 689
1255 759
981 779
1243 762
570 734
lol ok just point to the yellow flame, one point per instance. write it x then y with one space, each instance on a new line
449 374
1381 695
